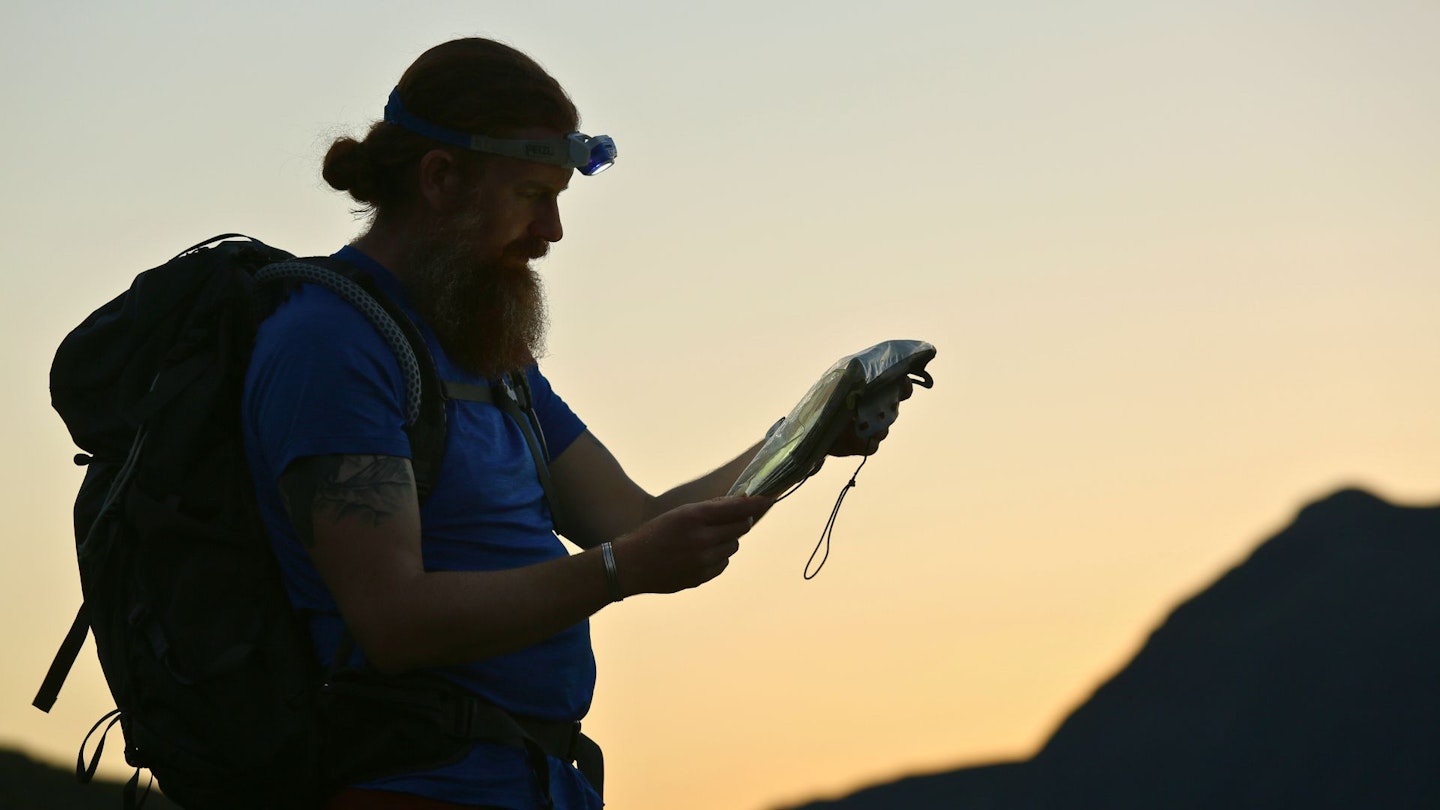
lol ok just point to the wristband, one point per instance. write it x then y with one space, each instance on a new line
612 574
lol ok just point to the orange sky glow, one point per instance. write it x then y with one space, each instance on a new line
1182 265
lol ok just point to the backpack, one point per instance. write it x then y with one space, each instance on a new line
214 678
213 675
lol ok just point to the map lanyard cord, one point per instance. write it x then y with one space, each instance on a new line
829 530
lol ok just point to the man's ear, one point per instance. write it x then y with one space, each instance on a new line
442 180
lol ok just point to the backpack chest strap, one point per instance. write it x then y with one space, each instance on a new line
513 398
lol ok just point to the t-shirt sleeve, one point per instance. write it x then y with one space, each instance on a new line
562 427
322 381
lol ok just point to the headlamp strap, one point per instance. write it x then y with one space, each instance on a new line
395 113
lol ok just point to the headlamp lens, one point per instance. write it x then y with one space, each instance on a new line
593 155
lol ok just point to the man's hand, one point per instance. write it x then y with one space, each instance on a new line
850 443
685 547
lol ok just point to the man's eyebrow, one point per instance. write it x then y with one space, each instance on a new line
534 182
540 185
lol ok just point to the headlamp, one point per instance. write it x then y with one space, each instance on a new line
575 151
589 155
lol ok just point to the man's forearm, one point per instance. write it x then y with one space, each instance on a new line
711 485
446 617
599 501
405 617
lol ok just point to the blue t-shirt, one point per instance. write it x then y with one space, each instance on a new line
322 381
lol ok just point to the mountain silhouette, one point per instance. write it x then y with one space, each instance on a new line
1307 676
29 785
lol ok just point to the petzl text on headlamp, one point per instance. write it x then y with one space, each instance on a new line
863 388
589 155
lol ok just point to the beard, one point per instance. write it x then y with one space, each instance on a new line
488 312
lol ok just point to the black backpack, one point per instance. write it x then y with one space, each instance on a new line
212 673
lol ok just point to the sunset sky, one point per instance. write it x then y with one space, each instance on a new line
1181 262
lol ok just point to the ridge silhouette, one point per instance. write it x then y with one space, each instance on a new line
1306 676
29 785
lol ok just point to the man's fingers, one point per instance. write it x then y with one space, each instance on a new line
720 511
715 570
721 553
724 536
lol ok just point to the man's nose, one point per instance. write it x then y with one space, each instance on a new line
547 225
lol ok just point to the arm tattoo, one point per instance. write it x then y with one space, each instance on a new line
328 490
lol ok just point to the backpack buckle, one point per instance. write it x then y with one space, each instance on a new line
519 390
572 746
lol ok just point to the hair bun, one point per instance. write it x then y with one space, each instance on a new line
347 168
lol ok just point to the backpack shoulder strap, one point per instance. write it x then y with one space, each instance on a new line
512 396
424 397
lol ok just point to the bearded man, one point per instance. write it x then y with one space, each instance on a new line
461 181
